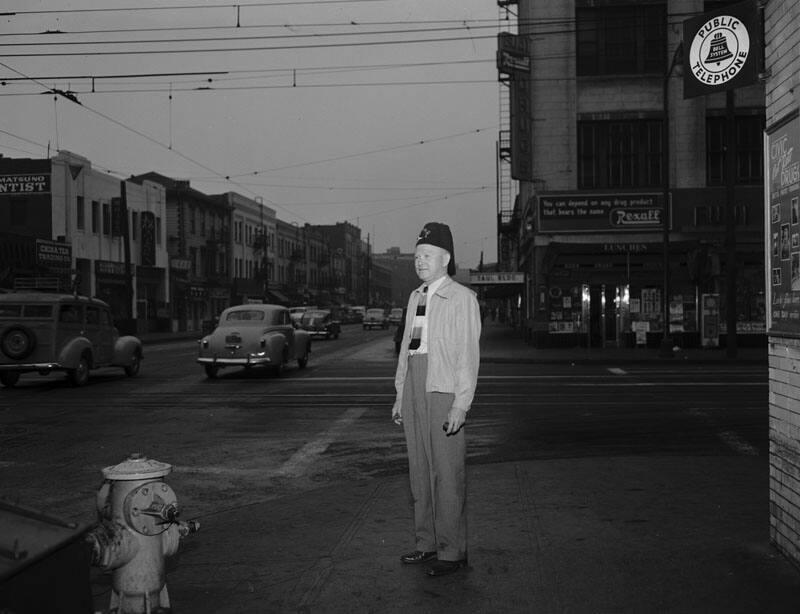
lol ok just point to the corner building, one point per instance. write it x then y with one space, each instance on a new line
782 211
602 151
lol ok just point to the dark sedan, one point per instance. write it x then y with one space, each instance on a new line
321 323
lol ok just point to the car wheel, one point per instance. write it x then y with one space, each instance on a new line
211 371
136 363
17 342
9 378
80 374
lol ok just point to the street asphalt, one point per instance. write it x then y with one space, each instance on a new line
618 534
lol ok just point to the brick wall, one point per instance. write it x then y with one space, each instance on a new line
784 448
782 63
782 59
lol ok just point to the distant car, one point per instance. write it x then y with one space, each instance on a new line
297 312
254 336
375 318
42 332
353 317
321 323
360 312
396 316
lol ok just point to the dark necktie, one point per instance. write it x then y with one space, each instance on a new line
416 332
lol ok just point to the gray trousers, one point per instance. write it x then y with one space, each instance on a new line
436 467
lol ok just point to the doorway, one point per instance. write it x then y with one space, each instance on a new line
608 314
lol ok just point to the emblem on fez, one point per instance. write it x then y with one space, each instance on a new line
719 50
424 234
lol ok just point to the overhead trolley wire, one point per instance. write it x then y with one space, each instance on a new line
184 7
244 38
270 26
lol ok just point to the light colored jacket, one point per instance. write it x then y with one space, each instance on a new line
454 330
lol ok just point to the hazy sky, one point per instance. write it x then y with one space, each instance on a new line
330 110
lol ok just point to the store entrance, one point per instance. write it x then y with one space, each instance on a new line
608 313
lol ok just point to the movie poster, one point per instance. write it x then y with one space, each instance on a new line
783 251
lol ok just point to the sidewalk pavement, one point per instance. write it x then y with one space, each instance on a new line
637 534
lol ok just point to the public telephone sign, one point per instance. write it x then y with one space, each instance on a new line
720 49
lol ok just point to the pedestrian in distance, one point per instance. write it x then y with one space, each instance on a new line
437 372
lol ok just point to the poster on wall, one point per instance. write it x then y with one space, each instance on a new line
783 214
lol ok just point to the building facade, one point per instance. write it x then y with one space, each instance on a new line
252 254
403 277
622 192
70 227
166 256
782 69
199 246
350 257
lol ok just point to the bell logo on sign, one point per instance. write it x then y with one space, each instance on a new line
719 50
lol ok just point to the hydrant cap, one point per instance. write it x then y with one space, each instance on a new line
137 467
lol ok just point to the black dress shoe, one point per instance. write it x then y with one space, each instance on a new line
417 557
442 568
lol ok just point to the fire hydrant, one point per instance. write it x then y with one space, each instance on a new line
138 528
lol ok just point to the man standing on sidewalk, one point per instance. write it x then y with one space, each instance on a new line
437 372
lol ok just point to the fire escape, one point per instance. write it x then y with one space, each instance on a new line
507 187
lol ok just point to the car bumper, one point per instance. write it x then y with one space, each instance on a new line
319 333
236 361
33 366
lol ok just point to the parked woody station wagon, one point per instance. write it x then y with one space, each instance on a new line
43 332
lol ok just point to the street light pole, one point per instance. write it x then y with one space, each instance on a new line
666 339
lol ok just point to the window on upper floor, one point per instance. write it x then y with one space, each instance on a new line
134 225
95 217
80 213
621 40
106 219
748 149
619 154
714 215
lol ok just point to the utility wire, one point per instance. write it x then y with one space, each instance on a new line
188 7
426 202
22 138
532 27
215 39
272 26
367 153
410 41
289 70
244 88
150 139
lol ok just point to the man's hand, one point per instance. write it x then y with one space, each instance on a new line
455 420
397 417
